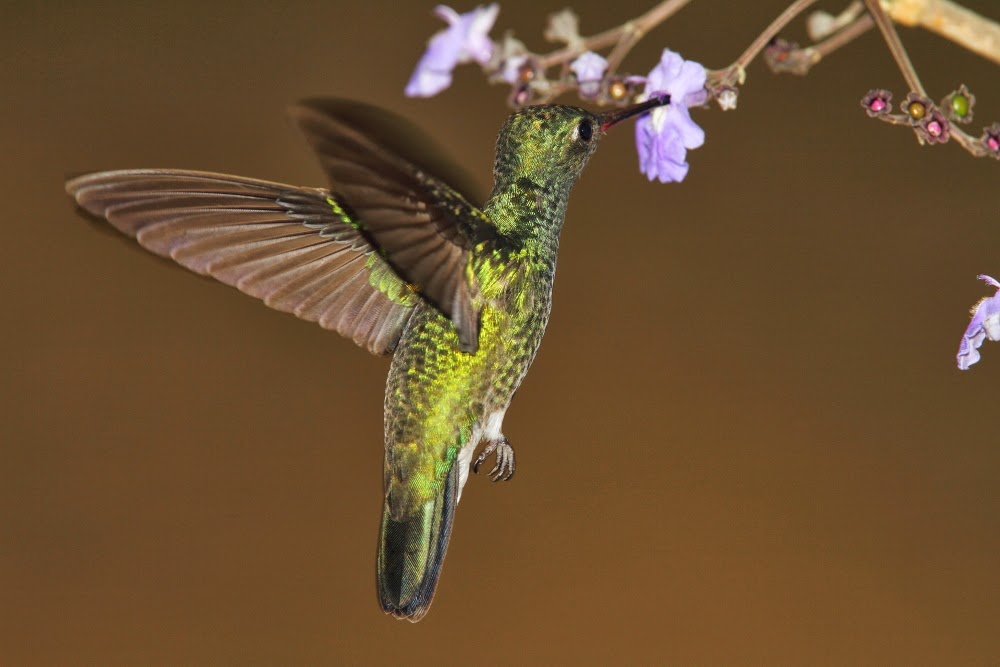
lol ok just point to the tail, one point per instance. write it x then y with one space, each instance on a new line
411 552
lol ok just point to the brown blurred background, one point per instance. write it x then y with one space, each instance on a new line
744 440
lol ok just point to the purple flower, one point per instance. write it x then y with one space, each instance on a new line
513 68
959 104
915 106
589 70
466 38
991 140
935 127
985 324
664 136
877 102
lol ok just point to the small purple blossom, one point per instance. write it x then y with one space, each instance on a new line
727 97
513 68
466 38
915 106
564 26
877 102
935 127
991 140
959 104
664 136
784 56
589 70
985 324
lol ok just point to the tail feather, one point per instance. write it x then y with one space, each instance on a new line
411 553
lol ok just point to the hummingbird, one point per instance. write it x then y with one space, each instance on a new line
393 255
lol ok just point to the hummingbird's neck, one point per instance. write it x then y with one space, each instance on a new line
527 212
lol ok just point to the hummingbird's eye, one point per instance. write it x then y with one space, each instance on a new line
585 131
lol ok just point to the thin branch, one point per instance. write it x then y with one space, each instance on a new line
764 38
642 25
967 142
735 73
852 31
821 25
801 60
952 21
888 30
629 39
630 31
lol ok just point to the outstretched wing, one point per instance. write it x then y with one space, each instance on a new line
381 168
355 259
295 248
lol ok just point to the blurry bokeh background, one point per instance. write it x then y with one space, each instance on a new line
744 439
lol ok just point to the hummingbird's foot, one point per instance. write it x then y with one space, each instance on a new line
504 469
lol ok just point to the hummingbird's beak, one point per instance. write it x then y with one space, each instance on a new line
618 115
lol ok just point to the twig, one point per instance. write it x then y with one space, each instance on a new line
736 73
882 20
952 21
629 32
801 60
849 33
888 30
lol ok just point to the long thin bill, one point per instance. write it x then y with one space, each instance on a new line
618 115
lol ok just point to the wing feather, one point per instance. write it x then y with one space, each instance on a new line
267 239
424 228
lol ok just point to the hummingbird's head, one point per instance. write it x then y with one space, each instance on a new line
550 144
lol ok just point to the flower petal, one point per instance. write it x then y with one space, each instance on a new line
478 45
511 71
661 152
691 78
985 324
690 132
589 66
589 69
427 82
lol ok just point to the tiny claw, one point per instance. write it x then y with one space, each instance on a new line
504 468
482 457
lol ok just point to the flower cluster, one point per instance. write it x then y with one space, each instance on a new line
935 123
663 136
926 119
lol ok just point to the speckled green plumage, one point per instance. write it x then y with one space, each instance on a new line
440 400
436 394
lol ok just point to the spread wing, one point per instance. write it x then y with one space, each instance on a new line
286 245
382 168
356 259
